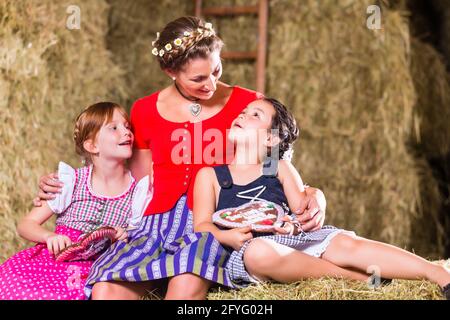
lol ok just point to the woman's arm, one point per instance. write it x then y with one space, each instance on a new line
141 164
205 206
308 204
312 211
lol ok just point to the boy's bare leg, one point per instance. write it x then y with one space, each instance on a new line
392 262
266 259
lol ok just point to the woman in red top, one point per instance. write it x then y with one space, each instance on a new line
179 130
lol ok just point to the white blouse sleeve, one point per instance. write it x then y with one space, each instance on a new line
142 196
66 174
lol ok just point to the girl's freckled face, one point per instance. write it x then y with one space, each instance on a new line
115 139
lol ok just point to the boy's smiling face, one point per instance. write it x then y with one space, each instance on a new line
254 120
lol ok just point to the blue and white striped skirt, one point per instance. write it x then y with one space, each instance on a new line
163 246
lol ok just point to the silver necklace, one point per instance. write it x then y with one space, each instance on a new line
194 108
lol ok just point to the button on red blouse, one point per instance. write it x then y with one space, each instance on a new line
181 149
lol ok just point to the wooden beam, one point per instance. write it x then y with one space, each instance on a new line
229 11
239 55
260 54
262 46
198 8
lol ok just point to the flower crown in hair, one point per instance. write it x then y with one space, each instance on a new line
206 31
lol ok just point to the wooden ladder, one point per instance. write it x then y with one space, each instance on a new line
260 54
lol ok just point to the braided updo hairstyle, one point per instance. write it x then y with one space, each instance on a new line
90 121
183 39
284 122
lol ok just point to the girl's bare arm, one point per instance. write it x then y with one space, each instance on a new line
205 206
204 201
30 227
293 186
308 205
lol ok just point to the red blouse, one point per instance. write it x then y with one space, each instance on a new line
181 149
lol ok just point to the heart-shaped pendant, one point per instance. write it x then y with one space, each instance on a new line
195 109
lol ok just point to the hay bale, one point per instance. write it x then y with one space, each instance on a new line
131 34
332 289
361 97
239 33
443 8
359 117
48 74
337 76
326 288
356 114
133 27
432 137
432 85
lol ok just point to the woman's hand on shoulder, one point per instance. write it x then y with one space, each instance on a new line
307 203
48 186
311 212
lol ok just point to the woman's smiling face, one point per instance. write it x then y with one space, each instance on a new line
199 77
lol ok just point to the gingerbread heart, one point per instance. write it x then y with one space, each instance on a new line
89 245
260 215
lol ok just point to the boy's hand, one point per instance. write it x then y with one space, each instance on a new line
236 238
289 226
121 234
58 242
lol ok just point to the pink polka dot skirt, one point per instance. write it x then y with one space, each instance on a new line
33 274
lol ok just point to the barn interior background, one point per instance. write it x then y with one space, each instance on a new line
373 105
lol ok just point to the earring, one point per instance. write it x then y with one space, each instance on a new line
173 78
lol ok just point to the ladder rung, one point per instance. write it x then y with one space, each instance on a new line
237 55
225 11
